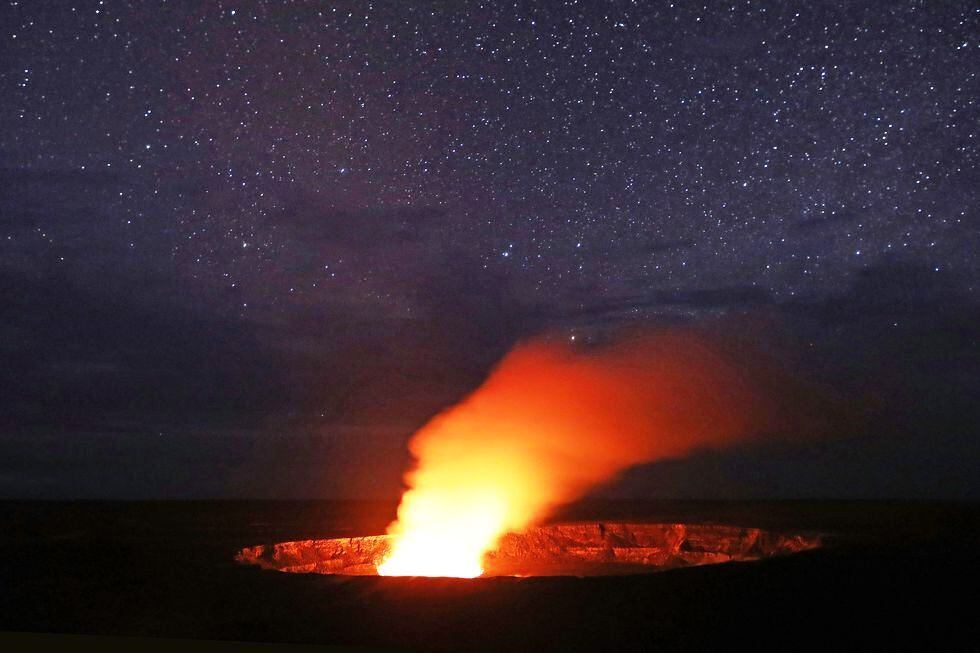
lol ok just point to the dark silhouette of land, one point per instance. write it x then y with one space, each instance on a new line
892 573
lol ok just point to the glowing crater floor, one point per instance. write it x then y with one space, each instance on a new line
578 549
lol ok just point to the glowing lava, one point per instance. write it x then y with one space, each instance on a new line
551 422
571 549
454 531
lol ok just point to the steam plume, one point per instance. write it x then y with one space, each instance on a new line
552 421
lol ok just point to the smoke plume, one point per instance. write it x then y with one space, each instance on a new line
553 420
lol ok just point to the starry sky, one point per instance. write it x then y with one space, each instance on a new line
247 247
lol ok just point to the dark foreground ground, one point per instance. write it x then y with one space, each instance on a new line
894 574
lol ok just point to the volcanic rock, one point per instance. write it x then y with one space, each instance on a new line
582 549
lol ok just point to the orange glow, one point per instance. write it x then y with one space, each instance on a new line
549 423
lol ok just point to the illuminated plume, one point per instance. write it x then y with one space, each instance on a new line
552 421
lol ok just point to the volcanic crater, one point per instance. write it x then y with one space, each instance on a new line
574 549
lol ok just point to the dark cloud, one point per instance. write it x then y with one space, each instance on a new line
639 305
320 395
80 358
902 345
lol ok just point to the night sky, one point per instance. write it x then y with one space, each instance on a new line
246 248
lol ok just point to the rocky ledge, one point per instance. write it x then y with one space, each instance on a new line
582 549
